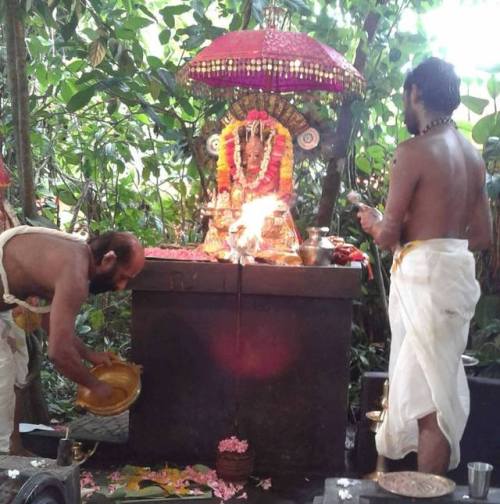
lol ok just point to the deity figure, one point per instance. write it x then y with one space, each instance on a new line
255 161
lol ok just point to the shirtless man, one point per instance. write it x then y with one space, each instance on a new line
437 203
63 270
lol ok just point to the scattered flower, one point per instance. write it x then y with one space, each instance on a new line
265 484
242 496
233 444
13 473
113 487
344 494
87 484
344 482
116 476
38 463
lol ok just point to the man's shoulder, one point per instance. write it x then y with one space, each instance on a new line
411 145
408 154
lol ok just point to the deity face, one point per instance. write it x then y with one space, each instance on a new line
253 154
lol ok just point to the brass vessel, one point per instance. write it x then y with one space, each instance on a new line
376 418
316 250
124 378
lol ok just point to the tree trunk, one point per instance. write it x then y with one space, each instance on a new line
344 132
18 84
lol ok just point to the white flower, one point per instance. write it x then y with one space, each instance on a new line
344 494
344 482
13 473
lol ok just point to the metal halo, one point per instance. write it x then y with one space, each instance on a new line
213 144
309 139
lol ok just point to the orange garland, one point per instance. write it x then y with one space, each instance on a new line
225 163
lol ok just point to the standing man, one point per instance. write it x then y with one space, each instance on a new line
437 212
61 269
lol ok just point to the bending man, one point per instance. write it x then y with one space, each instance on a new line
437 212
61 269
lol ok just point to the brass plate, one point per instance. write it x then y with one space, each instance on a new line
416 484
124 377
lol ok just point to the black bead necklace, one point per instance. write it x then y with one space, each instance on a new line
438 122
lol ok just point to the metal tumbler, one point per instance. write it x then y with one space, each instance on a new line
479 479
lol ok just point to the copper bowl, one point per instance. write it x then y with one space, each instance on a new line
124 377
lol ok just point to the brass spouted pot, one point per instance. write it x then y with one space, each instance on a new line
316 250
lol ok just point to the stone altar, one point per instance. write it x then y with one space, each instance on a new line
260 351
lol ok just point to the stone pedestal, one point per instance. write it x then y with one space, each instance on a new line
258 351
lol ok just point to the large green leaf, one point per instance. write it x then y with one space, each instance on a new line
493 86
136 23
477 105
363 164
80 99
485 128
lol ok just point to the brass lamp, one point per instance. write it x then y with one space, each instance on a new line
377 417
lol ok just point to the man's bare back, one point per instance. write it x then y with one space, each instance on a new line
450 180
436 190
35 262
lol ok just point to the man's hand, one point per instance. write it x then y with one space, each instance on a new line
106 358
101 391
369 217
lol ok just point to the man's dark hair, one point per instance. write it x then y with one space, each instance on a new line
120 243
438 84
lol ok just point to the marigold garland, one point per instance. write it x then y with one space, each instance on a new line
279 161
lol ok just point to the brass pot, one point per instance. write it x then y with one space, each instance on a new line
124 378
316 250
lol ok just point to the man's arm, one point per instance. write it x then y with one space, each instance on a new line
479 229
386 229
85 352
62 349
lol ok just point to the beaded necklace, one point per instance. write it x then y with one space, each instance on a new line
438 122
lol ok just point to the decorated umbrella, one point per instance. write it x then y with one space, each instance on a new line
273 61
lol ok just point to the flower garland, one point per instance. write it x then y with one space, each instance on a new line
277 160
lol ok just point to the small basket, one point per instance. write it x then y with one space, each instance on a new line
234 467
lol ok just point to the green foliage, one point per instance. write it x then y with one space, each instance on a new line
486 347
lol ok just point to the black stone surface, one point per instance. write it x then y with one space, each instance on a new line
280 380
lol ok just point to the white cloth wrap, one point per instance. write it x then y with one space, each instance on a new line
13 371
432 300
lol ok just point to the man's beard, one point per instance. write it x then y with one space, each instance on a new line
411 122
103 282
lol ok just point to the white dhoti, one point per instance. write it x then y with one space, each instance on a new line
432 300
13 372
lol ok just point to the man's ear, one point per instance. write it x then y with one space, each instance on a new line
108 261
415 95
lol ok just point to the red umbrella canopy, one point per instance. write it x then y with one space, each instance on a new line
272 60
4 175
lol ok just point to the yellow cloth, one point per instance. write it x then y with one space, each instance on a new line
432 300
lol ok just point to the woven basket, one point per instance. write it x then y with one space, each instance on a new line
234 467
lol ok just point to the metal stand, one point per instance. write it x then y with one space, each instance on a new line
377 417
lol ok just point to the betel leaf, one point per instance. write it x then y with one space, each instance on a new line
476 105
80 99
